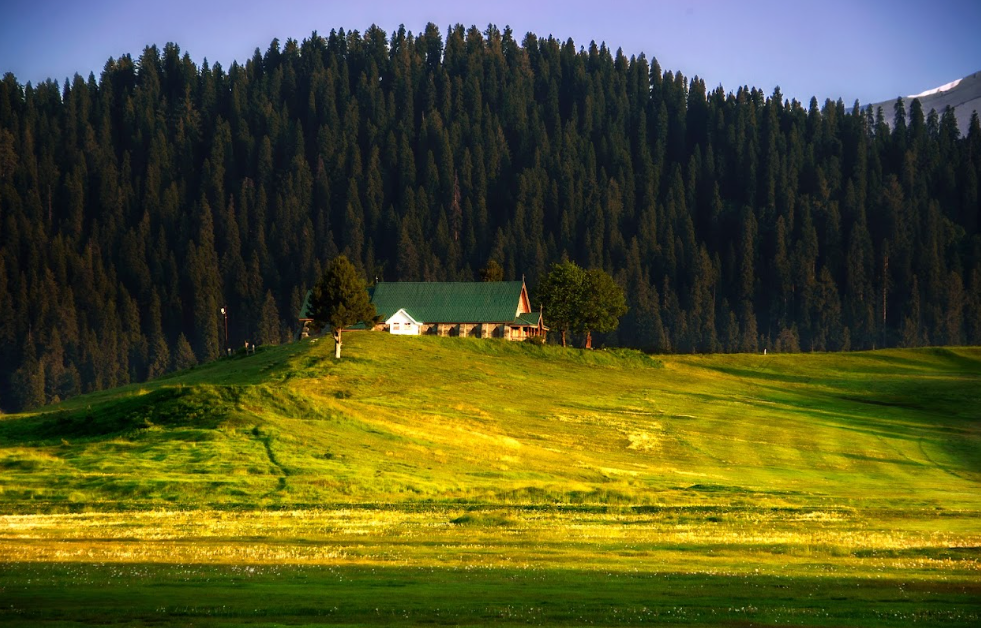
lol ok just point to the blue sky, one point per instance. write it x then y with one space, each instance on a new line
870 50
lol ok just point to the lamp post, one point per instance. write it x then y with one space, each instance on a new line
224 314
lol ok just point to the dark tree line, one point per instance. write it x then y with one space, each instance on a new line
136 204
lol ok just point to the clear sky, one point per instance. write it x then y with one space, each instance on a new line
872 50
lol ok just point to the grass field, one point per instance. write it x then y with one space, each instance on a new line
462 481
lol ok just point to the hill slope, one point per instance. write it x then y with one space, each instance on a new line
433 419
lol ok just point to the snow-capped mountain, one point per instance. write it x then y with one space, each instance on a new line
964 95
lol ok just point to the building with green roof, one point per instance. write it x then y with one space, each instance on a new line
498 309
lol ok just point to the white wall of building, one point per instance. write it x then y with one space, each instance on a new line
402 324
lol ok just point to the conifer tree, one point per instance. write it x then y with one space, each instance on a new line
492 272
184 357
160 359
28 380
268 332
340 299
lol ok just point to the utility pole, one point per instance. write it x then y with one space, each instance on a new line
224 314
885 290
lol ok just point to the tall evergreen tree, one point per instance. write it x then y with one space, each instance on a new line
340 299
183 354
269 326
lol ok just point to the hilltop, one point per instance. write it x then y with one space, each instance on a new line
415 420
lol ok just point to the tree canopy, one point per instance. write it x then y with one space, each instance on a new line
602 304
561 295
582 301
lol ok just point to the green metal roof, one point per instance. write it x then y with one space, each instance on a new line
450 302
531 319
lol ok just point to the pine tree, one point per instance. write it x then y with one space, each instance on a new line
160 359
269 327
353 229
492 272
28 380
972 309
205 288
340 299
184 357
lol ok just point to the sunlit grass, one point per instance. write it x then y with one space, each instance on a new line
746 482
713 540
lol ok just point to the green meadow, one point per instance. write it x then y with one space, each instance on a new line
426 480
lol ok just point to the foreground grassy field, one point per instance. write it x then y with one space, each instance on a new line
429 480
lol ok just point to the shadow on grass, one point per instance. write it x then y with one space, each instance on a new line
233 595
203 407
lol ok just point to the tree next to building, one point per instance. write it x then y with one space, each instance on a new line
340 299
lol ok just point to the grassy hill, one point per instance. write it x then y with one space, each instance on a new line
435 420
425 481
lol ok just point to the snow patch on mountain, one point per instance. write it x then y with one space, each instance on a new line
963 95
937 90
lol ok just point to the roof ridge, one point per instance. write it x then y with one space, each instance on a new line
462 282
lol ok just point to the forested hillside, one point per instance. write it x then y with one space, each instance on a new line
133 206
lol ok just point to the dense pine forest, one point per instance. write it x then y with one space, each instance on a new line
135 205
